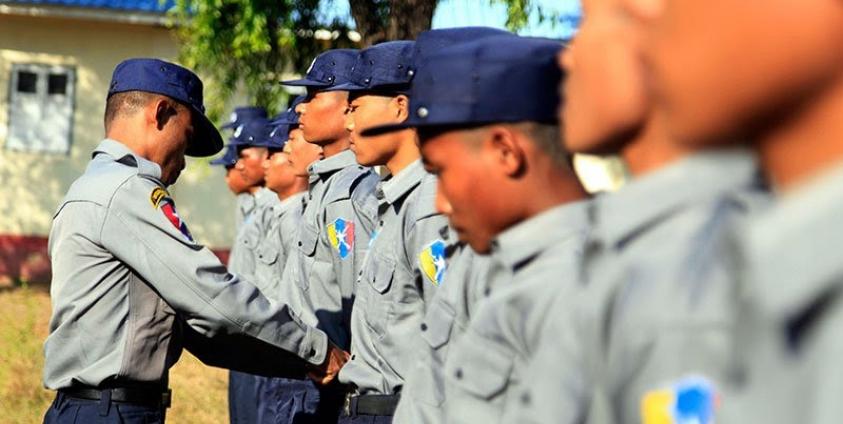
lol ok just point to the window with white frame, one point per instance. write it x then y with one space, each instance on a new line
41 108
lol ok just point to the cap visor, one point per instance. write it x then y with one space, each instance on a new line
346 87
207 140
384 129
283 121
304 82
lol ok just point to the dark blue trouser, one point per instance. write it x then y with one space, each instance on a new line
68 410
243 393
286 401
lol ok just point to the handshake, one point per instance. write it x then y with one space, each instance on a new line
325 373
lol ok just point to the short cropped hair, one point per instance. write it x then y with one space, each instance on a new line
547 138
128 103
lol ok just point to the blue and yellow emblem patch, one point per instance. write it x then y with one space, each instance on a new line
432 262
692 400
341 236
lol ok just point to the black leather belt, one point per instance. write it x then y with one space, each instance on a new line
156 397
381 405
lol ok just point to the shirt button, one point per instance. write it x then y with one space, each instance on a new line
487 292
299 244
312 352
424 327
458 374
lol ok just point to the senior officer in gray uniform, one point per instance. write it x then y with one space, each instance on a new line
656 313
128 275
525 211
406 260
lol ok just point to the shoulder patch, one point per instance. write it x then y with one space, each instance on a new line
161 200
341 236
432 262
157 196
692 400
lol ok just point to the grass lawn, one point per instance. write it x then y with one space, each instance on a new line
199 392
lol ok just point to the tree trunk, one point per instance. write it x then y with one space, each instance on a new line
379 21
408 18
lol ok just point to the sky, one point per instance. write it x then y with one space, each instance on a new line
454 13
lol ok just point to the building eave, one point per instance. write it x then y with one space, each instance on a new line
87 14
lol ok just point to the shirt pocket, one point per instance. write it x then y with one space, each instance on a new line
309 237
479 372
379 276
436 329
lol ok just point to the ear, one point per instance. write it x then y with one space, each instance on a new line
507 152
400 107
163 110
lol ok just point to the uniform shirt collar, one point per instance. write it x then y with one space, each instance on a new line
124 155
246 202
288 203
526 240
332 164
793 249
397 186
264 197
648 199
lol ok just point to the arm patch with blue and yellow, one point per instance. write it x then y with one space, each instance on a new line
692 400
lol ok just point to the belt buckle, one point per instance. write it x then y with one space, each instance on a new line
167 398
346 405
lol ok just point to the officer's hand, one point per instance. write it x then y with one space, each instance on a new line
334 360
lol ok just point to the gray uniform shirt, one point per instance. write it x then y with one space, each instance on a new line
245 205
405 265
657 309
282 222
333 238
250 233
466 283
788 341
539 259
126 274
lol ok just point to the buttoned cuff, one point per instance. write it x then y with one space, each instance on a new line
315 348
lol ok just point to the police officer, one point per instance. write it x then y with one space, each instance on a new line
338 216
253 142
788 106
245 199
421 366
128 274
659 281
507 189
234 180
284 400
406 262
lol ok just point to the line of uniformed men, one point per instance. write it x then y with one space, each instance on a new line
478 282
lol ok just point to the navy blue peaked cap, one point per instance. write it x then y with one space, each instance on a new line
278 136
494 79
431 41
289 116
228 159
330 68
244 113
382 67
178 83
253 133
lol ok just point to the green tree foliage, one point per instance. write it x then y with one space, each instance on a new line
247 45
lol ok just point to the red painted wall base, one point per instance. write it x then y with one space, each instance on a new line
25 258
